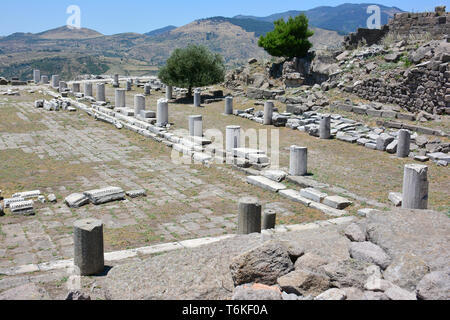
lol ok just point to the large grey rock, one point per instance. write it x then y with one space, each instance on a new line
422 233
374 283
369 252
397 293
434 286
256 292
303 282
332 294
310 261
293 249
406 271
348 273
354 233
263 265
353 293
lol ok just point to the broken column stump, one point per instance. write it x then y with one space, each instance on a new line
249 220
88 246
415 187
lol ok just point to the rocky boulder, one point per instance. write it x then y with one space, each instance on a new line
348 273
264 264
369 252
406 271
303 282
434 286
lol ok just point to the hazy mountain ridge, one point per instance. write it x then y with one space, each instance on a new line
344 18
235 38
160 31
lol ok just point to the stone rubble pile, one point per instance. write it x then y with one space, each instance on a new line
23 203
100 196
370 261
414 78
351 131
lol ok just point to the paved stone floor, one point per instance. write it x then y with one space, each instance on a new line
182 202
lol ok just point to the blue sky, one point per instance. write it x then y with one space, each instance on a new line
117 16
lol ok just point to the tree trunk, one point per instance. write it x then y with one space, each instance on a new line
189 94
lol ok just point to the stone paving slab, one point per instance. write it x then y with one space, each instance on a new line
116 160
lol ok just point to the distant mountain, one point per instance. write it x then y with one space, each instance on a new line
72 52
157 32
67 33
344 18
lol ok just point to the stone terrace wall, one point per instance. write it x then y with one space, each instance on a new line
436 23
369 36
403 24
422 88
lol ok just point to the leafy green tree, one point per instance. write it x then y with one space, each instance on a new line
288 39
193 66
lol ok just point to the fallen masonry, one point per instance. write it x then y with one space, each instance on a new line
404 142
105 195
22 207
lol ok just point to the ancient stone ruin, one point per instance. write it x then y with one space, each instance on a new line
315 178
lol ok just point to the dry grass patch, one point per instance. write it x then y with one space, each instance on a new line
21 171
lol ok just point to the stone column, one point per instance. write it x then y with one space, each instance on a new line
116 83
249 220
325 127
169 92
269 219
36 76
120 98
147 89
404 143
88 89
268 112
62 86
129 85
76 87
139 104
197 98
101 95
415 187
196 126
44 79
233 138
88 246
298 161
228 105
55 81
162 113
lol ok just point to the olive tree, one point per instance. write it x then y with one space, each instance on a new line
193 66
